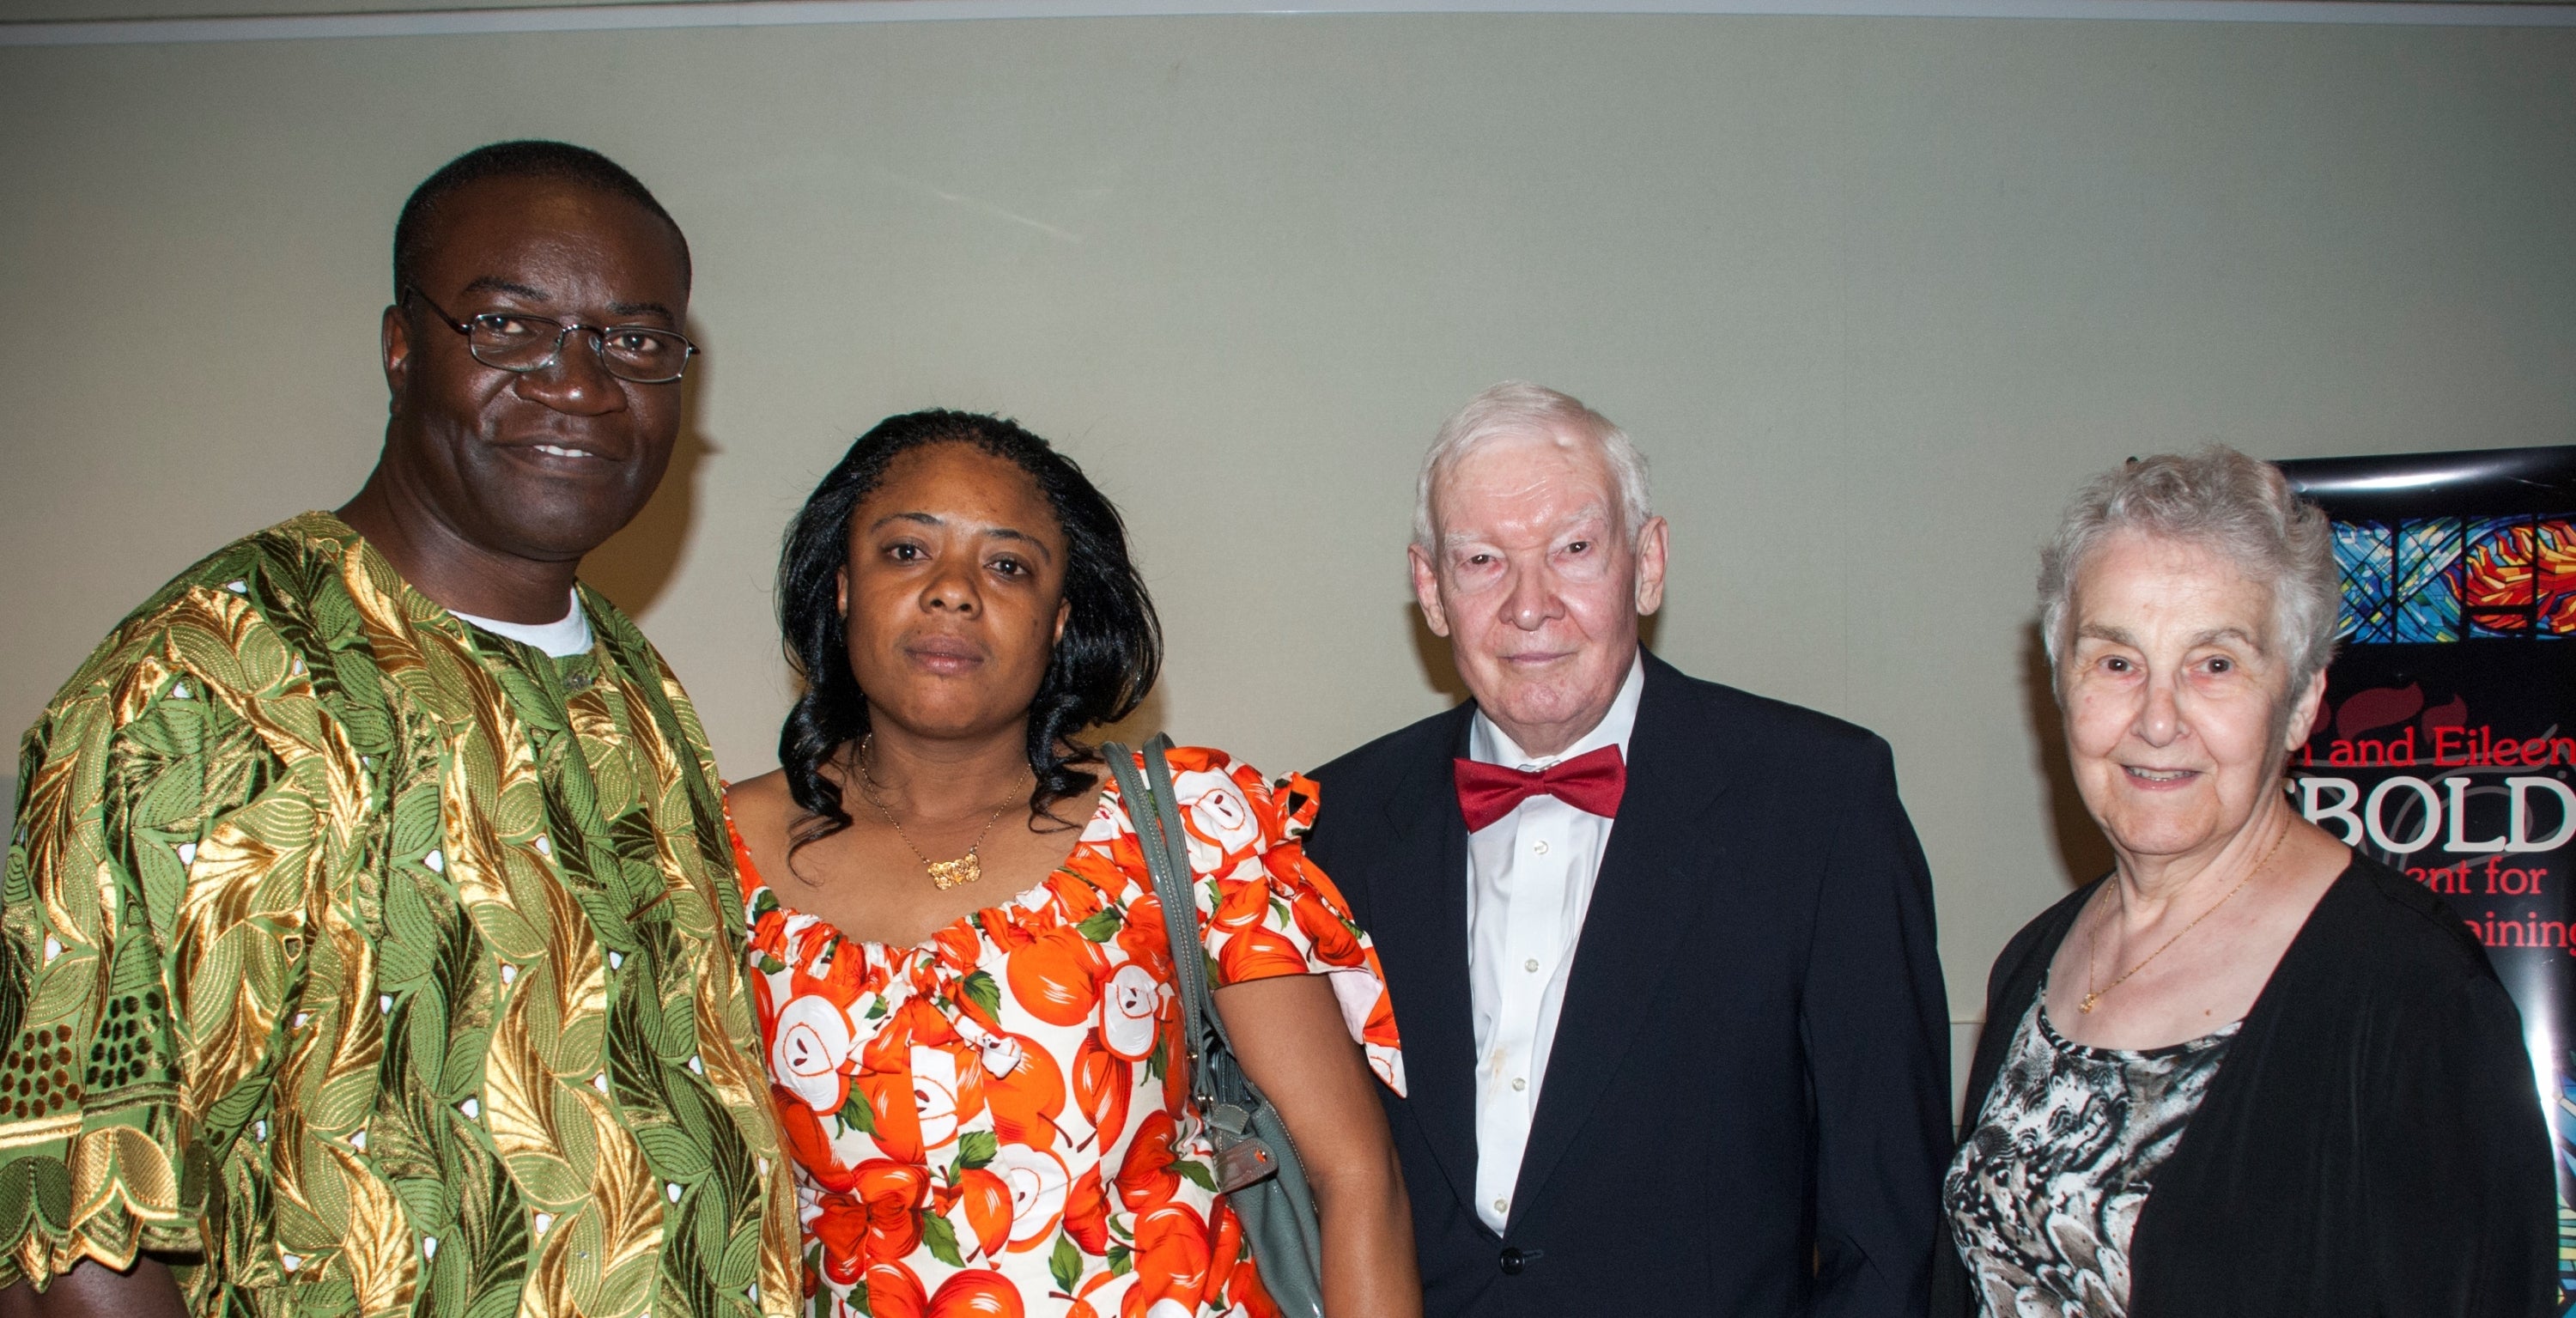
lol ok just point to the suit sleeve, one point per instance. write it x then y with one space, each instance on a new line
1874 1018
1322 844
2463 1201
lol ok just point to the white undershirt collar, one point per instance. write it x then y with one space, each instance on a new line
560 639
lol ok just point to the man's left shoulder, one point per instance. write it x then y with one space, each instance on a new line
625 642
1750 724
641 662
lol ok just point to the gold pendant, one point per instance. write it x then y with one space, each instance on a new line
947 874
2086 1006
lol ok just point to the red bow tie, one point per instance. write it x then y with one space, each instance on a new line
1591 782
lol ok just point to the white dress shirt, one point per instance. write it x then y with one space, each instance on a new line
1529 881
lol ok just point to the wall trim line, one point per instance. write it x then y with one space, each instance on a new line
794 13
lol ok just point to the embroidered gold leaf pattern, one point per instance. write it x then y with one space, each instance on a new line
347 1087
308 961
519 1110
120 1168
629 1205
552 1286
579 973
384 1268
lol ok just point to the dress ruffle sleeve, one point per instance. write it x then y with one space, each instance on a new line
1266 909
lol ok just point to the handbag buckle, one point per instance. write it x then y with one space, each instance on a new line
1241 1157
1243 1162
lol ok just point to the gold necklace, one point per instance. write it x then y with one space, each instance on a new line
2093 995
944 874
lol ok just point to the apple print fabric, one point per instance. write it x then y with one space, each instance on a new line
996 1121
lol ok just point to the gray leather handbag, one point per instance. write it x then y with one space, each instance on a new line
1256 1163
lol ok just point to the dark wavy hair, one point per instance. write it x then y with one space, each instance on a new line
1105 662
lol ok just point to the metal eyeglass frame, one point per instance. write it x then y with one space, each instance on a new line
563 330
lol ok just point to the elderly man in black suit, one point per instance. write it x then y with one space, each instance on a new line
1662 950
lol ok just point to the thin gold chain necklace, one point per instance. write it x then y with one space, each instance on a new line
944 874
2093 995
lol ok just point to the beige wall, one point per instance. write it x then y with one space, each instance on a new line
1872 293
74 11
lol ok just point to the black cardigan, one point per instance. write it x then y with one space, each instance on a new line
2371 1144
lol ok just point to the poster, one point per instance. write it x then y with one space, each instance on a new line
2447 747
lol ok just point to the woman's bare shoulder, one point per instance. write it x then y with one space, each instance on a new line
760 804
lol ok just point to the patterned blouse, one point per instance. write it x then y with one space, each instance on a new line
996 1120
2044 1194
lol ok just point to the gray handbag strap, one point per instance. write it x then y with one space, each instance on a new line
1167 859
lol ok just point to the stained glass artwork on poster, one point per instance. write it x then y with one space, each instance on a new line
2518 576
2397 580
2432 580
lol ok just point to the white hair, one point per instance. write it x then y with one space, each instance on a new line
1518 409
2239 507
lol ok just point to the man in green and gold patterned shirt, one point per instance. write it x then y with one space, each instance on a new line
372 943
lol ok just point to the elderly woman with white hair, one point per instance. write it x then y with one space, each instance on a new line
2250 1071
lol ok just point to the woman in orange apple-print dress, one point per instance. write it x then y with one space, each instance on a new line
960 965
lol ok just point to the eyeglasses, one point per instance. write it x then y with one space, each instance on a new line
508 341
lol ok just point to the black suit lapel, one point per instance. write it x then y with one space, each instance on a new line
1420 926
1634 923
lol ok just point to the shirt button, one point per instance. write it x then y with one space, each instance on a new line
1530 965
1502 1205
1519 1083
1539 846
